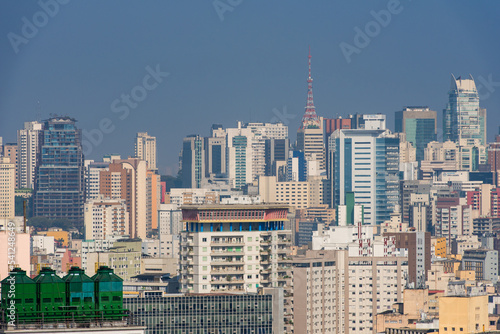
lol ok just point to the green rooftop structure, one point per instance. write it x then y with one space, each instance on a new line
108 291
50 291
80 291
75 300
19 291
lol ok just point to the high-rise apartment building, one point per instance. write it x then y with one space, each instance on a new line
59 185
93 177
127 180
145 149
420 126
335 291
193 161
463 118
28 147
105 218
367 163
7 188
234 248
153 196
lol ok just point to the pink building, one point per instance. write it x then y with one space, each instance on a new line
17 252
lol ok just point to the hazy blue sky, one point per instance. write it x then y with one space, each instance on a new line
240 61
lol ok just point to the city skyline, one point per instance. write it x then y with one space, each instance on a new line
229 70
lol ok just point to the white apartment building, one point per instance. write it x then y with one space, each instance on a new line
28 143
261 132
234 248
335 292
42 244
104 217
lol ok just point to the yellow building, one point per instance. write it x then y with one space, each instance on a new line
58 234
439 245
463 314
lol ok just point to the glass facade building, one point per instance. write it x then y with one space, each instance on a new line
59 186
463 118
206 313
420 126
366 162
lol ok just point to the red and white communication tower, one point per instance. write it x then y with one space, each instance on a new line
310 119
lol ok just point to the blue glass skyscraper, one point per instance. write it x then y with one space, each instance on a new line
463 118
59 185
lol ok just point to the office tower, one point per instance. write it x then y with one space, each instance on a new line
276 155
368 121
417 246
215 156
484 262
367 163
105 217
420 126
7 188
209 313
193 161
59 187
239 155
145 149
234 248
463 118
296 167
127 180
310 134
28 146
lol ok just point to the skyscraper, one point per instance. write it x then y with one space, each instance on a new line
28 147
239 155
463 118
145 149
59 186
127 180
193 161
367 163
420 126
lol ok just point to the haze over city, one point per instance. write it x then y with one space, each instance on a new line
237 63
